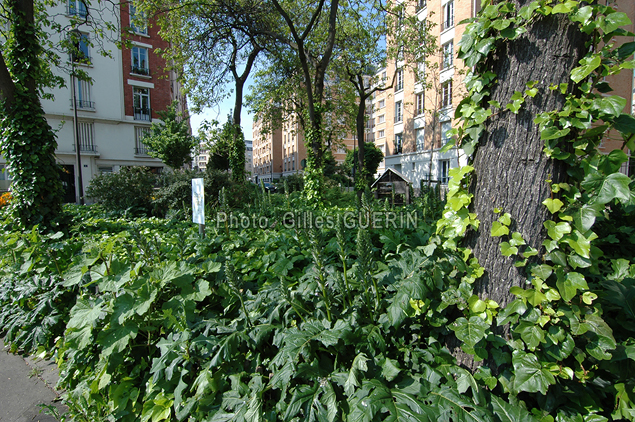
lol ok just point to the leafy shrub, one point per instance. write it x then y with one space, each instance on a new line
174 197
129 190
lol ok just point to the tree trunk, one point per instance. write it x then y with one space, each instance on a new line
510 168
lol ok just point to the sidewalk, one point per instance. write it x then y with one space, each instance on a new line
24 384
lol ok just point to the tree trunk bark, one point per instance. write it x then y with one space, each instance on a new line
510 168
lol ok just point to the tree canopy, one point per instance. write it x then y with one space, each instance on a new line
171 140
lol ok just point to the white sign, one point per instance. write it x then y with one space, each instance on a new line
198 201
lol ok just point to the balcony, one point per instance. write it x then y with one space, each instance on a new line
447 24
83 105
140 70
143 114
81 58
86 146
141 149
73 10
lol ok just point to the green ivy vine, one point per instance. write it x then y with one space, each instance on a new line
569 352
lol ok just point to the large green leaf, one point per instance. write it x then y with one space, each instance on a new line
470 331
601 337
508 412
529 374
85 313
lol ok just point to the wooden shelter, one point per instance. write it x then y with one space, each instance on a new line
392 185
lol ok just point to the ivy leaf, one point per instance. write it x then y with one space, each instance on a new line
584 218
530 376
556 231
625 123
553 132
470 331
569 287
499 229
614 186
614 21
613 105
510 413
517 239
588 66
531 334
484 46
601 335
507 249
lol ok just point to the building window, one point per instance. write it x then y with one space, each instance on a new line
138 20
398 143
80 52
4 173
77 8
420 103
399 80
86 136
420 139
82 95
445 128
141 104
398 112
139 133
421 4
140 61
381 134
381 119
448 55
382 103
446 94
448 16
444 170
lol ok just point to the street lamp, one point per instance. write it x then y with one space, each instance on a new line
78 156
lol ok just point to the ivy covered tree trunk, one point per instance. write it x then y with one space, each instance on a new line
511 171
27 141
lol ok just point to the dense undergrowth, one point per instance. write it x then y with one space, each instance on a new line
149 321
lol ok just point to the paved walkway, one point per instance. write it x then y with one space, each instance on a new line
24 384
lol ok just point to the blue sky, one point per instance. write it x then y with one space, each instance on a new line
220 113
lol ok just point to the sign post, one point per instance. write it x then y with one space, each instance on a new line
198 205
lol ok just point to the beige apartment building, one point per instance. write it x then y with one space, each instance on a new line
409 123
282 152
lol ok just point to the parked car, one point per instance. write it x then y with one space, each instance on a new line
270 187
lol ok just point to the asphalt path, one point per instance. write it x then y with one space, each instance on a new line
26 383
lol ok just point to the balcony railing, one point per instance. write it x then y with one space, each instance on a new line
81 58
141 113
86 146
84 105
141 149
447 24
73 10
140 70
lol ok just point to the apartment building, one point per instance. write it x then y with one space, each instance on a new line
411 121
110 114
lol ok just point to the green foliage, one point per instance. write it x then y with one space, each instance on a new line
171 140
372 158
26 140
174 196
130 190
